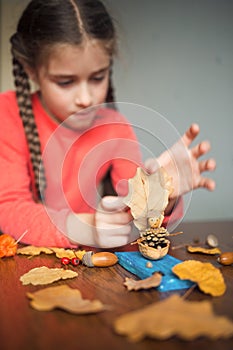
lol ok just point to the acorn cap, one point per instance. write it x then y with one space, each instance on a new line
86 260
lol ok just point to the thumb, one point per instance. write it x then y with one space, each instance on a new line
151 165
113 203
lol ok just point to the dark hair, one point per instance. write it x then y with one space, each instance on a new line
42 25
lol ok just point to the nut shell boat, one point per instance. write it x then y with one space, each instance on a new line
153 253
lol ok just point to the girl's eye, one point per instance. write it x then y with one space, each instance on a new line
98 78
64 83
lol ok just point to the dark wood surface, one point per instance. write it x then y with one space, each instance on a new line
22 327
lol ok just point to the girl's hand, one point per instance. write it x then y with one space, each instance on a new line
113 223
183 164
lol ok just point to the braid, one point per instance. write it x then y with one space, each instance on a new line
108 188
110 98
42 26
25 108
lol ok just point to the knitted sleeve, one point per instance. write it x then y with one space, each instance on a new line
18 210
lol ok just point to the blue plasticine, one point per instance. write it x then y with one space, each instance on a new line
136 264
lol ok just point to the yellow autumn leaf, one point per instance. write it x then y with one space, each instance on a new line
44 275
59 252
210 251
33 251
208 277
64 297
174 316
69 253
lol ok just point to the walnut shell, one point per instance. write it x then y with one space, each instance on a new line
153 253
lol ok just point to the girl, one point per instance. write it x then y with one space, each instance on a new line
67 47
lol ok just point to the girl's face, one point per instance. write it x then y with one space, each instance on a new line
73 79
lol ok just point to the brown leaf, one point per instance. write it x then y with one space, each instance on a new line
210 251
174 316
152 281
148 196
60 252
45 275
63 297
208 277
33 251
69 253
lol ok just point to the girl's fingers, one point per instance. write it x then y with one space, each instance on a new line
118 218
207 165
207 183
190 134
200 149
151 165
113 203
110 236
113 230
112 211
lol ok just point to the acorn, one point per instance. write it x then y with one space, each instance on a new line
100 259
226 258
212 241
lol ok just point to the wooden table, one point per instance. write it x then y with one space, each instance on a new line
22 327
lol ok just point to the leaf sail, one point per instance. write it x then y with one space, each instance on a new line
148 196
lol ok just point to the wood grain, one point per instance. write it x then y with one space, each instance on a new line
21 327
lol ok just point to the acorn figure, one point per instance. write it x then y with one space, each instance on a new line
147 199
153 243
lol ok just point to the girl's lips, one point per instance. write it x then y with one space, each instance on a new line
81 120
90 112
81 116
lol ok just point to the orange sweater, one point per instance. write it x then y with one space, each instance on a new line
75 164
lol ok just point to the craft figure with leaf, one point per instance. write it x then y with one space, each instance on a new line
148 198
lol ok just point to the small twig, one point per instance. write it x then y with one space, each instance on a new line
189 291
180 246
139 240
132 243
175 233
19 239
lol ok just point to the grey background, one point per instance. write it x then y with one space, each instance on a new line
175 65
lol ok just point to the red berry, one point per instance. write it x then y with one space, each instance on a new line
65 261
75 261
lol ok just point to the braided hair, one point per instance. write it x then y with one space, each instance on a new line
42 25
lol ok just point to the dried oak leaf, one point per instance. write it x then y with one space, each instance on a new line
174 316
33 251
59 252
69 253
208 277
210 251
64 297
148 196
45 275
149 282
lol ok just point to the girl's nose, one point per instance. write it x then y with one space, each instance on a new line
83 96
